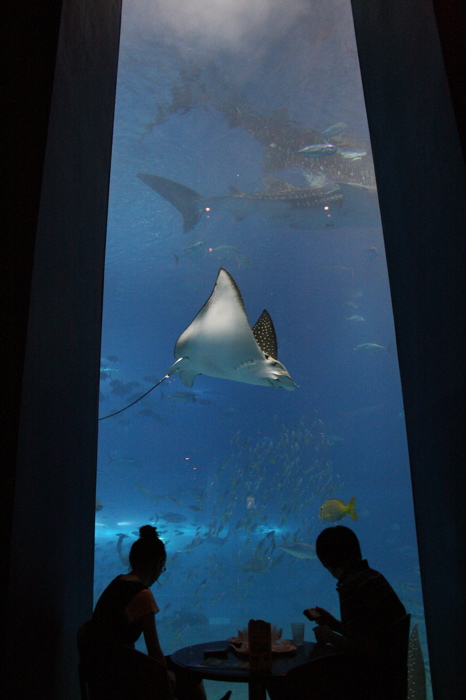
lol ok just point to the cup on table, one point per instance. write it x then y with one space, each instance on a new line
243 634
297 631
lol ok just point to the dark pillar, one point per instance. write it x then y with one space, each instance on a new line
451 23
59 149
420 177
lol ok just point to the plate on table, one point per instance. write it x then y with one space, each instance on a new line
281 646
239 645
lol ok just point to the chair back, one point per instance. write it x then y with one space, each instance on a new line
417 689
390 673
124 674
395 640
397 634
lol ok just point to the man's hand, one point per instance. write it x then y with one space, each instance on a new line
324 635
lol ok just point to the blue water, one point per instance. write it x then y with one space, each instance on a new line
202 454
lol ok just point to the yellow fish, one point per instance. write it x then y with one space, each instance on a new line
334 510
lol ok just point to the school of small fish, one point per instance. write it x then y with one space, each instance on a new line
263 522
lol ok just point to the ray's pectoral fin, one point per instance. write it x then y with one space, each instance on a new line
266 339
265 336
185 370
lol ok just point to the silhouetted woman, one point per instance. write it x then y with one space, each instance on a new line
126 609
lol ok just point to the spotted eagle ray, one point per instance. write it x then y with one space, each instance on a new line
280 203
219 342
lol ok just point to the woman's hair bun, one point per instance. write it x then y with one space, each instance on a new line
147 532
147 549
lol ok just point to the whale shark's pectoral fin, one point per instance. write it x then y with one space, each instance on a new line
265 336
183 368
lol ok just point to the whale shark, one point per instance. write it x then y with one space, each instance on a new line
280 203
219 342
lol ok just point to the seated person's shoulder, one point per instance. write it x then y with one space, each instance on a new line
142 603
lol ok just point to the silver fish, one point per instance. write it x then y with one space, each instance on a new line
192 251
318 150
352 155
299 550
369 347
228 252
124 558
171 518
334 130
356 319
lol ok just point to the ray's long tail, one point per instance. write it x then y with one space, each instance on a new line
115 413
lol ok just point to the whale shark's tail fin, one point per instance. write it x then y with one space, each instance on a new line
187 201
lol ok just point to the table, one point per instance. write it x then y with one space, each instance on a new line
235 667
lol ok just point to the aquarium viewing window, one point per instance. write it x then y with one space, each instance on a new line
242 160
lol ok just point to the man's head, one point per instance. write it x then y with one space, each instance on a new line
337 548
